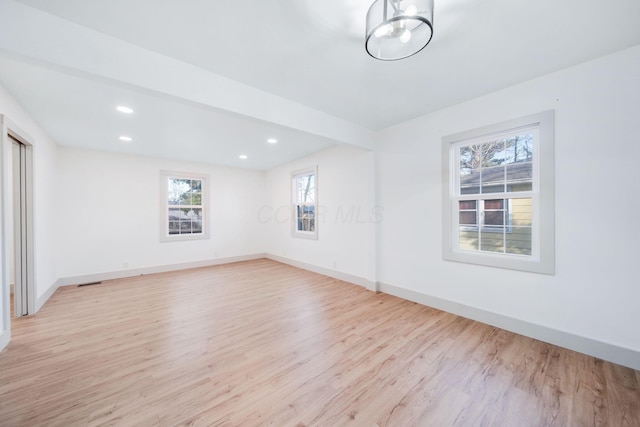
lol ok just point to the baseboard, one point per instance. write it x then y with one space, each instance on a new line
602 350
5 337
98 277
325 271
45 297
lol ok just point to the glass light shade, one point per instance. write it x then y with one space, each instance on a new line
397 29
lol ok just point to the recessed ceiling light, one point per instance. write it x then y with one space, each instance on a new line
124 109
126 138
243 156
272 141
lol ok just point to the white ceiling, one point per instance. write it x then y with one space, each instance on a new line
295 68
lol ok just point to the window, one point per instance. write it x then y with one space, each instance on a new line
183 206
498 195
305 203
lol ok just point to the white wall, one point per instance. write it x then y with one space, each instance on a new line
346 229
44 163
595 292
95 211
109 214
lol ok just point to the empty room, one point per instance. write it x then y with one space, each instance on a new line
319 213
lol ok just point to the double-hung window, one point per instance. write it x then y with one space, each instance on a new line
184 211
305 203
498 195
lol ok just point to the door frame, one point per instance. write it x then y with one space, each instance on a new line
22 171
7 128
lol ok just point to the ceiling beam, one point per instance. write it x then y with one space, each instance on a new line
48 39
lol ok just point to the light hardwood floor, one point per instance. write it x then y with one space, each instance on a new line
262 343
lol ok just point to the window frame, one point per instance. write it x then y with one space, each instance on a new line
294 203
542 258
165 207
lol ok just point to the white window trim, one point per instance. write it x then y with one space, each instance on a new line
164 206
542 259
294 216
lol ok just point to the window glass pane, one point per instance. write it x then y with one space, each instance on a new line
196 192
309 211
519 241
306 217
309 224
519 148
493 153
470 181
299 217
185 227
468 218
493 180
305 189
492 239
174 214
468 204
310 194
519 177
174 227
494 204
494 218
520 211
196 199
509 150
176 189
184 192
468 157
185 221
523 148
468 239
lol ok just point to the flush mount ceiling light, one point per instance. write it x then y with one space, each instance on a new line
126 138
397 29
272 141
243 156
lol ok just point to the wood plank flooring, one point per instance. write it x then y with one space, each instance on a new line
261 343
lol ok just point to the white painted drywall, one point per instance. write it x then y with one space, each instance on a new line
96 211
109 213
347 215
44 163
596 290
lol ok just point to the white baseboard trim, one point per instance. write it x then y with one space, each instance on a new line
45 297
98 277
589 346
346 277
5 337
